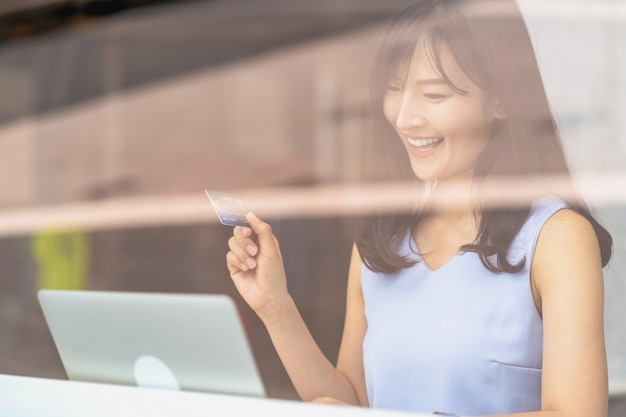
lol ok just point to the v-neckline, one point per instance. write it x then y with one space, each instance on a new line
416 251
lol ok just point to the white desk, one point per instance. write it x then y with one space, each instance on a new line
29 397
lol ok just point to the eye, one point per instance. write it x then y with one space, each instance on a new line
434 96
394 86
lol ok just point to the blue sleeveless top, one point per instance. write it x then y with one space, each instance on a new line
459 339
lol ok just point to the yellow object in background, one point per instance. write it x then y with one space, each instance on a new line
62 259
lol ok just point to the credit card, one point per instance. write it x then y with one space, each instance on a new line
230 210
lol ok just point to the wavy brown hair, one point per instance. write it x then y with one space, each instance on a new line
490 42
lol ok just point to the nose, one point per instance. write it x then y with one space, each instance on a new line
409 113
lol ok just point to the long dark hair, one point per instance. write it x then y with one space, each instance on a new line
490 42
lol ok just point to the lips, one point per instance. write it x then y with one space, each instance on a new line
425 144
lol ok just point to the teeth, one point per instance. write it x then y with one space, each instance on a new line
424 142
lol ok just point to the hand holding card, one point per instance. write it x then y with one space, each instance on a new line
230 210
254 260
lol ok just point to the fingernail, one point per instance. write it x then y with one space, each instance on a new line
251 262
251 250
246 231
251 216
243 267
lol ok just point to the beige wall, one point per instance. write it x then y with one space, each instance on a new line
268 120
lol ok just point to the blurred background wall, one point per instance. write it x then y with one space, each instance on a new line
115 115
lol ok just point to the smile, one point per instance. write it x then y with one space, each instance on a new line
425 144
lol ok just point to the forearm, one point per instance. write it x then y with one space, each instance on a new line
310 371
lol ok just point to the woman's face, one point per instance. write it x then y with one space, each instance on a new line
442 130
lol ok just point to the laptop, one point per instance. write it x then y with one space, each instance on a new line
189 342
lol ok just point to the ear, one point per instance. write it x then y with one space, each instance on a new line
497 109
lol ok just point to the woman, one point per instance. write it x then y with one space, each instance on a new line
465 307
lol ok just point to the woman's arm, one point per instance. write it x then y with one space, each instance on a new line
567 280
256 267
350 359
567 274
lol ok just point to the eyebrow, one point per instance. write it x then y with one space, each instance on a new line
431 81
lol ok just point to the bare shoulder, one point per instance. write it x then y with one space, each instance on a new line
567 230
567 248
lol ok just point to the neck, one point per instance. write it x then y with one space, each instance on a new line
450 197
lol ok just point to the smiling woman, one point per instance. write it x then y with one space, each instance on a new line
478 57
443 130
462 307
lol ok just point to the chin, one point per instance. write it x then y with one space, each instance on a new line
425 177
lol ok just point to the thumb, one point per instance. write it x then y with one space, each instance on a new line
261 229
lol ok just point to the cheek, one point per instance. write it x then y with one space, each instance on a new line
390 110
475 125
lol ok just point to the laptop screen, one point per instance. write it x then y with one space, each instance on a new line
190 342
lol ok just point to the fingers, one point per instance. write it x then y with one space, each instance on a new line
247 243
234 265
329 400
243 249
